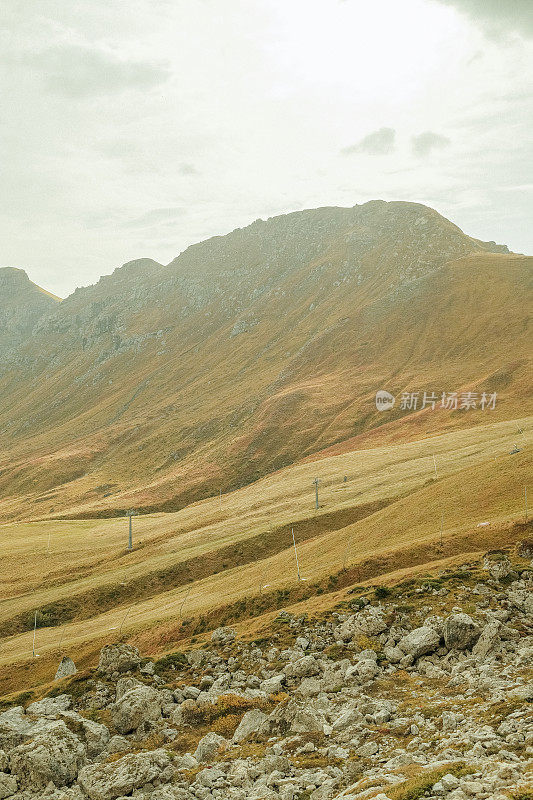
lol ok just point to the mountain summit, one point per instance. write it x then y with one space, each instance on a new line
162 384
22 303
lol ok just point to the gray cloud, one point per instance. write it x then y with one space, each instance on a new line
79 71
377 143
187 169
499 15
425 142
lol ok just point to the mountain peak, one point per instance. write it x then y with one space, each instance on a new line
15 286
22 304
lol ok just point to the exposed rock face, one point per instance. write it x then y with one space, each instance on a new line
65 668
419 642
110 781
56 756
116 658
22 304
138 705
460 631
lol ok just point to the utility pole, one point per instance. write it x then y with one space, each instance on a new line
124 619
184 600
316 482
34 632
131 513
296 554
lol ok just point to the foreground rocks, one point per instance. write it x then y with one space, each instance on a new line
412 693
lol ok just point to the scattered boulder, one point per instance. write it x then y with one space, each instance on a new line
460 631
66 667
15 728
223 636
370 622
252 722
329 710
296 717
94 735
122 777
498 567
56 756
304 667
488 641
124 685
8 785
366 669
209 747
118 658
393 654
272 685
525 548
419 642
50 706
140 704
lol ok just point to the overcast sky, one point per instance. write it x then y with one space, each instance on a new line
134 128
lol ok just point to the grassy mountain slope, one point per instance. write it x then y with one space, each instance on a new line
233 560
161 385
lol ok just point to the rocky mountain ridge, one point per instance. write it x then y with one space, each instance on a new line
246 352
249 262
22 305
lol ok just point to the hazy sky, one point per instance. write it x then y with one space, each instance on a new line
133 128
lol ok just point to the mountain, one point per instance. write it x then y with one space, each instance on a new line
22 303
160 385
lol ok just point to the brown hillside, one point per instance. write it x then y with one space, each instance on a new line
160 385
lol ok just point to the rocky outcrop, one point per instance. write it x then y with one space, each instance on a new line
66 667
138 705
460 632
419 642
52 756
111 781
117 658
442 700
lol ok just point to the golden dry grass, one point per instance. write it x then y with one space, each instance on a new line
81 569
162 428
